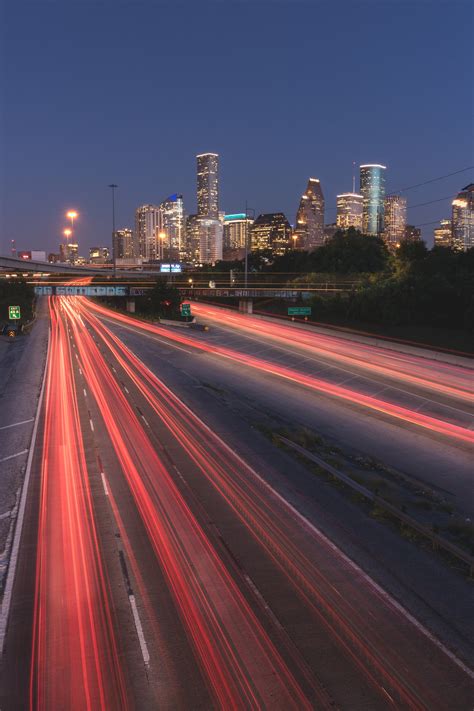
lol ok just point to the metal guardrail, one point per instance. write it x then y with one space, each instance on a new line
436 540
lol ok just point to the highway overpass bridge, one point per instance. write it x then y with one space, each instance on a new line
13 264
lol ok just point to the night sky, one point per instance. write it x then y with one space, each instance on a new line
101 92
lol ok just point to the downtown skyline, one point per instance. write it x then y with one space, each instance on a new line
70 143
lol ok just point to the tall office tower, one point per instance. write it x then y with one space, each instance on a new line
443 235
98 255
271 231
191 239
123 244
208 185
309 228
236 230
463 218
349 211
372 188
172 224
147 226
395 220
210 240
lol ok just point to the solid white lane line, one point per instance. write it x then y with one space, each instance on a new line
12 456
17 424
7 596
104 483
139 628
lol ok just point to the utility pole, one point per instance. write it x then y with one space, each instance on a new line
246 246
112 186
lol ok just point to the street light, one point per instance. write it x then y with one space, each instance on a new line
72 214
67 233
112 186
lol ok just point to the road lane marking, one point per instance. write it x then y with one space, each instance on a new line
7 596
104 483
145 421
92 425
12 456
139 628
17 424
85 392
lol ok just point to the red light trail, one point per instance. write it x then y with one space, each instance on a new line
276 529
239 660
75 658
400 413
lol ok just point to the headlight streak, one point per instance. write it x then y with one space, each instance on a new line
384 407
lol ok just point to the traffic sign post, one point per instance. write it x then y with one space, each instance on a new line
186 310
14 313
299 311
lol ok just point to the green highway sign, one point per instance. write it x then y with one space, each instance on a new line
14 312
185 309
299 311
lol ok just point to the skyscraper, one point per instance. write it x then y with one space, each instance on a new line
271 231
209 221
412 234
208 185
349 211
147 226
210 240
309 228
172 224
463 218
395 220
372 188
123 244
443 235
236 231
192 244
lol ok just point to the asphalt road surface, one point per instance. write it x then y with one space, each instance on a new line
159 569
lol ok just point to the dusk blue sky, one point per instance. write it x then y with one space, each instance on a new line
101 92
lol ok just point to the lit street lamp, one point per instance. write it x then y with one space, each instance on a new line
72 214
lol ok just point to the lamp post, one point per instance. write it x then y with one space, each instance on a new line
112 186
67 233
71 215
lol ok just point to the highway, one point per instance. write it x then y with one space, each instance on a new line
161 568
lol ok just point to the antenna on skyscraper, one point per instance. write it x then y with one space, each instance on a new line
353 176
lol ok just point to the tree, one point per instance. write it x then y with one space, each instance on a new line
349 252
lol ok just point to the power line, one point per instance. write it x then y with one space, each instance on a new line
433 180
421 204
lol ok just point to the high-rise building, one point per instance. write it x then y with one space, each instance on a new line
69 252
443 235
372 188
271 231
172 224
330 230
463 218
192 245
208 185
395 220
210 240
412 234
98 255
147 226
349 211
237 228
309 227
123 244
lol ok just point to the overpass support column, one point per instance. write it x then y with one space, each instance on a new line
246 306
130 306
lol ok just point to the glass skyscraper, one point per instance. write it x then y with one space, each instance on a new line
172 224
309 228
463 218
395 219
349 211
208 185
147 225
372 188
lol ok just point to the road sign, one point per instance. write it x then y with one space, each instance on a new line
185 309
170 268
14 312
299 311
